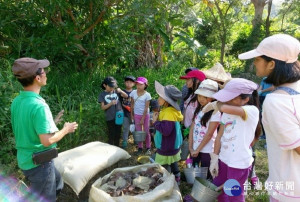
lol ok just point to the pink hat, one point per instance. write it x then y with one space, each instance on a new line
194 74
279 46
234 88
142 80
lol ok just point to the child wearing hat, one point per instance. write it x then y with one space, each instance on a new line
203 130
126 104
193 80
168 137
109 100
185 89
232 156
276 57
140 101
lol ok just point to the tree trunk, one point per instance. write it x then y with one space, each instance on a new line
268 22
259 8
223 41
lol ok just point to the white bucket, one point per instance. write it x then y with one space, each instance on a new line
203 190
201 172
189 175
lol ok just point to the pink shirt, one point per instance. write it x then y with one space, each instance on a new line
189 109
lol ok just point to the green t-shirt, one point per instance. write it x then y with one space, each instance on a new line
30 117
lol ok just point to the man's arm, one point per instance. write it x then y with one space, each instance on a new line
50 138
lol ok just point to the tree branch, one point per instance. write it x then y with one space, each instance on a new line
99 19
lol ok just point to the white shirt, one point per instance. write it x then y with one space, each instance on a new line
238 134
200 131
281 121
140 102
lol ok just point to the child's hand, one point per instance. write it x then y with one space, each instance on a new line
142 121
214 165
194 153
155 116
114 102
212 106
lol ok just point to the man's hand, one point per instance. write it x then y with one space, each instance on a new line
70 127
58 118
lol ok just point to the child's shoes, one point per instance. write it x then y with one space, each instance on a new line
139 151
254 181
124 144
188 198
148 152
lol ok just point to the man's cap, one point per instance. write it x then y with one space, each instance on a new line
194 74
131 78
279 46
27 67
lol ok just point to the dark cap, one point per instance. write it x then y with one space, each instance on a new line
190 69
27 67
154 104
131 78
110 81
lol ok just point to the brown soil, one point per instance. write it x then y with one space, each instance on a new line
68 195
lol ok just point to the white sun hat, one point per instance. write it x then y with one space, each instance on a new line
279 46
207 88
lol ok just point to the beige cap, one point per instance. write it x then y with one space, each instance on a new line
207 88
27 67
217 73
279 46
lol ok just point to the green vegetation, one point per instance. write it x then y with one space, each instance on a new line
86 41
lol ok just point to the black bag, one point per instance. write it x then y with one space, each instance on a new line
44 156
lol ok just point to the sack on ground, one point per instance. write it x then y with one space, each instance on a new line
77 166
167 191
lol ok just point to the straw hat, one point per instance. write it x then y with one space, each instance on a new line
217 73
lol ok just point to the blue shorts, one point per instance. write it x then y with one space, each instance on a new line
45 182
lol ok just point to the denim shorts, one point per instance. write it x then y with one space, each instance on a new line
45 182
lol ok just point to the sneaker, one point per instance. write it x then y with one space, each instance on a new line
148 152
177 180
124 144
188 198
254 181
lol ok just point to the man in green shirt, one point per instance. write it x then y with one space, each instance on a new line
35 129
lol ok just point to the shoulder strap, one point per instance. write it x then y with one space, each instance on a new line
290 91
